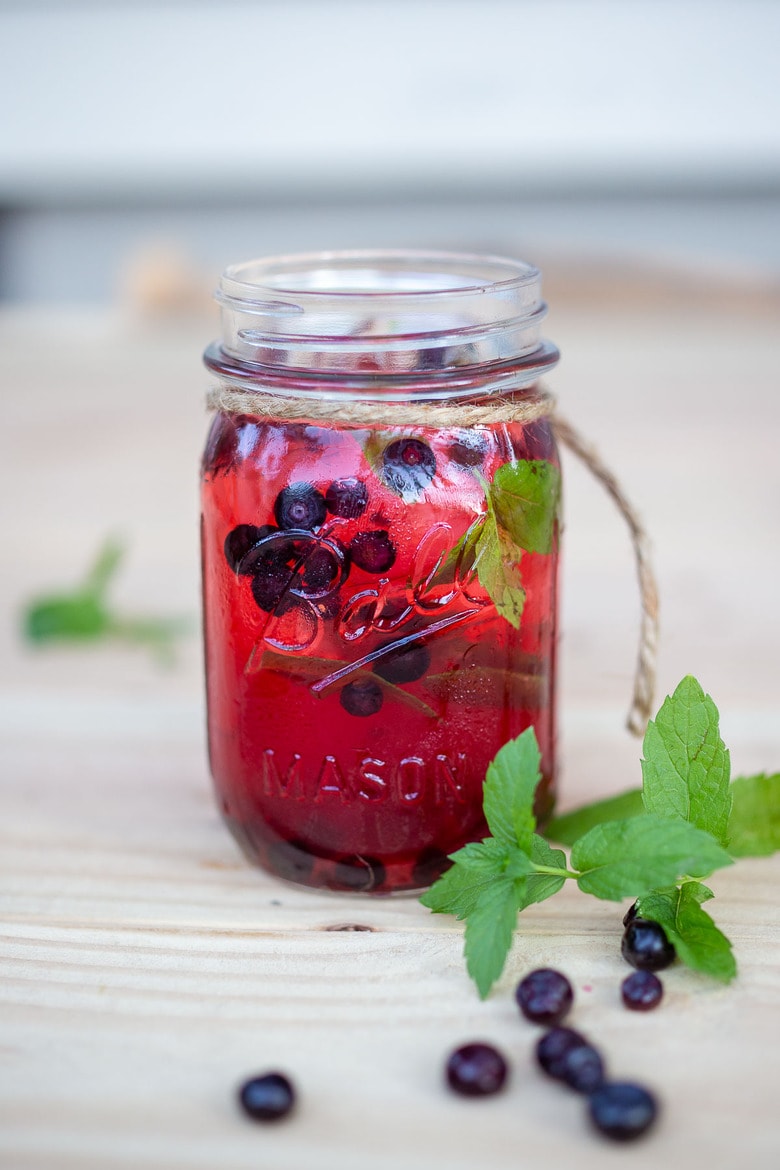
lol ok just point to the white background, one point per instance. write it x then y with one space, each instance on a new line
646 126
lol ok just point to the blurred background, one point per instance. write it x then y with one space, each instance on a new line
147 143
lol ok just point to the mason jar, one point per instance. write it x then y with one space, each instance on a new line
380 536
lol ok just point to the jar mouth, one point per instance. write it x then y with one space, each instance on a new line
381 314
374 274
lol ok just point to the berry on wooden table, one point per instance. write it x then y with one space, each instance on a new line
553 1047
269 1097
476 1070
641 991
622 1111
645 946
544 996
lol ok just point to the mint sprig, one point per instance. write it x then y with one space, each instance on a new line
657 856
754 824
85 614
685 768
521 508
698 941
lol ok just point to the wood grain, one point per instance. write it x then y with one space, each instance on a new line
145 969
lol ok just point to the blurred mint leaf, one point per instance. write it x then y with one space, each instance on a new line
698 941
569 826
80 614
685 768
754 824
622 859
84 614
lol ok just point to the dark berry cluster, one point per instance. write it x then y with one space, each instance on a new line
297 561
620 1110
646 947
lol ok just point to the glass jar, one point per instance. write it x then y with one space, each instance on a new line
380 545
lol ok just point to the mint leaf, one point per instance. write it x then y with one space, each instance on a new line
489 929
525 497
496 563
491 921
629 858
457 891
754 825
508 791
686 765
754 822
569 826
107 562
698 941
538 887
487 856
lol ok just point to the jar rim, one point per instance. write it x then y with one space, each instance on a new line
478 274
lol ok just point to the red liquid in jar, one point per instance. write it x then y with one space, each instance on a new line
360 679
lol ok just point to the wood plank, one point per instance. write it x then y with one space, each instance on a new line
145 968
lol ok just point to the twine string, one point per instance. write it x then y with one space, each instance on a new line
521 409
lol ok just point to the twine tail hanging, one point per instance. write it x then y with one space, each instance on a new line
539 404
644 677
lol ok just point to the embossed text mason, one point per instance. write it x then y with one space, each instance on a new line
380 541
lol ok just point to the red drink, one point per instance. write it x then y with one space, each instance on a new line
361 673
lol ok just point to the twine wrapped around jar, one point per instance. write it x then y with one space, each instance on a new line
520 408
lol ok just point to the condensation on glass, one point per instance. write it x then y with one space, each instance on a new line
379 595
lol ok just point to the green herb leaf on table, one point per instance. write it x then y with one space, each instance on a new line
489 930
569 826
754 825
685 768
457 891
538 887
653 856
487 856
84 614
623 859
698 941
81 614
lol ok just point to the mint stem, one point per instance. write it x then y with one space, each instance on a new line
555 871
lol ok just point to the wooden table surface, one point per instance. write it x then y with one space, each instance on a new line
146 968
